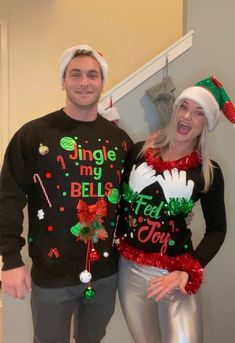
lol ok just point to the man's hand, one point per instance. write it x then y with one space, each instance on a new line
15 281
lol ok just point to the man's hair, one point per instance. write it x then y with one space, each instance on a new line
82 50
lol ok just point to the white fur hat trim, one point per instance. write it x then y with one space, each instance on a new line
110 114
206 100
68 54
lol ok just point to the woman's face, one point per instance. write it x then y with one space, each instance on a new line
190 121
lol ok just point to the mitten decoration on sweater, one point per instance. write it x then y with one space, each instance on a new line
140 178
177 191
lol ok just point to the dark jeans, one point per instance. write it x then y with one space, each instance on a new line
52 310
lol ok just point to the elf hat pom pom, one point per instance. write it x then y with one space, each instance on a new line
212 97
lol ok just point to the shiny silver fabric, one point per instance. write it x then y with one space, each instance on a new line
175 319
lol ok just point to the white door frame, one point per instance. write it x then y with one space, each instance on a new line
4 115
4 100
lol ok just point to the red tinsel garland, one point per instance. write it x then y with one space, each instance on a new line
183 262
185 163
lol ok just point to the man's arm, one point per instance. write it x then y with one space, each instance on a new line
14 183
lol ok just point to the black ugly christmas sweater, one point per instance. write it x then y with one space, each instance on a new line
152 229
68 172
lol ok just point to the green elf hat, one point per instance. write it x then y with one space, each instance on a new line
211 96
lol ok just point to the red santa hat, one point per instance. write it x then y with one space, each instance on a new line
69 53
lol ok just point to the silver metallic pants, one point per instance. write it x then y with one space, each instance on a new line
177 318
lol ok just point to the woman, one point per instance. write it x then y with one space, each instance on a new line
159 271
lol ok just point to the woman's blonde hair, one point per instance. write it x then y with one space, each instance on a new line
164 139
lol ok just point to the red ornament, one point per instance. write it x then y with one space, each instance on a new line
229 111
50 228
48 175
94 255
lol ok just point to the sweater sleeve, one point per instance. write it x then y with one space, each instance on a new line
14 182
131 159
213 208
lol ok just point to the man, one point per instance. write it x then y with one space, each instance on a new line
66 166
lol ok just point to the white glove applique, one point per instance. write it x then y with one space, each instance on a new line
177 191
140 178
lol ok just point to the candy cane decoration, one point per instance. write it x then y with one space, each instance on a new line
172 224
119 176
62 162
36 178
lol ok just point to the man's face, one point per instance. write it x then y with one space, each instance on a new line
83 82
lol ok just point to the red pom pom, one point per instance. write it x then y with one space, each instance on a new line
229 111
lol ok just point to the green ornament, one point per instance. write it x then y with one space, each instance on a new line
86 230
114 197
67 143
171 242
89 293
179 205
76 229
128 194
30 239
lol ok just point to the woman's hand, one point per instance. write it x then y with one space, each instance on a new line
189 219
164 285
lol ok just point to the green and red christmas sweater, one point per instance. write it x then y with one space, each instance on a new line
152 229
68 172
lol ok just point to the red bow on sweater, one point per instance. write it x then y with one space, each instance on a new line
89 214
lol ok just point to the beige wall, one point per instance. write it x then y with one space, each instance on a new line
128 33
